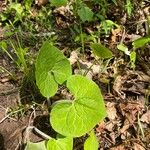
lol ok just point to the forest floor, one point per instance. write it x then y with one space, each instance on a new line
125 89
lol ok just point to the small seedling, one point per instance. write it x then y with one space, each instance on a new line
139 43
132 55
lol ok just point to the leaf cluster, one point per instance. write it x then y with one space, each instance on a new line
69 118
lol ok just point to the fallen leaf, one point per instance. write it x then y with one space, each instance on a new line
146 117
130 110
125 127
101 127
115 33
110 125
95 69
111 111
138 147
120 147
73 57
41 2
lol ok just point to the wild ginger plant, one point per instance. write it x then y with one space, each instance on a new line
69 118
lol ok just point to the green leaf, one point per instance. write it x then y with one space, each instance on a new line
18 8
91 142
133 56
85 14
36 146
101 51
107 25
59 3
60 144
75 118
133 59
129 7
123 48
28 4
3 45
52 68
141 42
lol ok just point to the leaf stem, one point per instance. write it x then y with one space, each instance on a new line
140 126
3 69
45 136
82 38
49 103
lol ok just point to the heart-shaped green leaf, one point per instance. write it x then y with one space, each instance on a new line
75 118
52 68
36 146
141 42
101 51
60 144
91 142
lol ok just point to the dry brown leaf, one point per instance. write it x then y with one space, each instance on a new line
113 137
110 126
63 10
101 127
111 111
130 110
117 86
138 147
120 147
124 128
115 33
133 37
146 117
95 69
73 57
41 2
